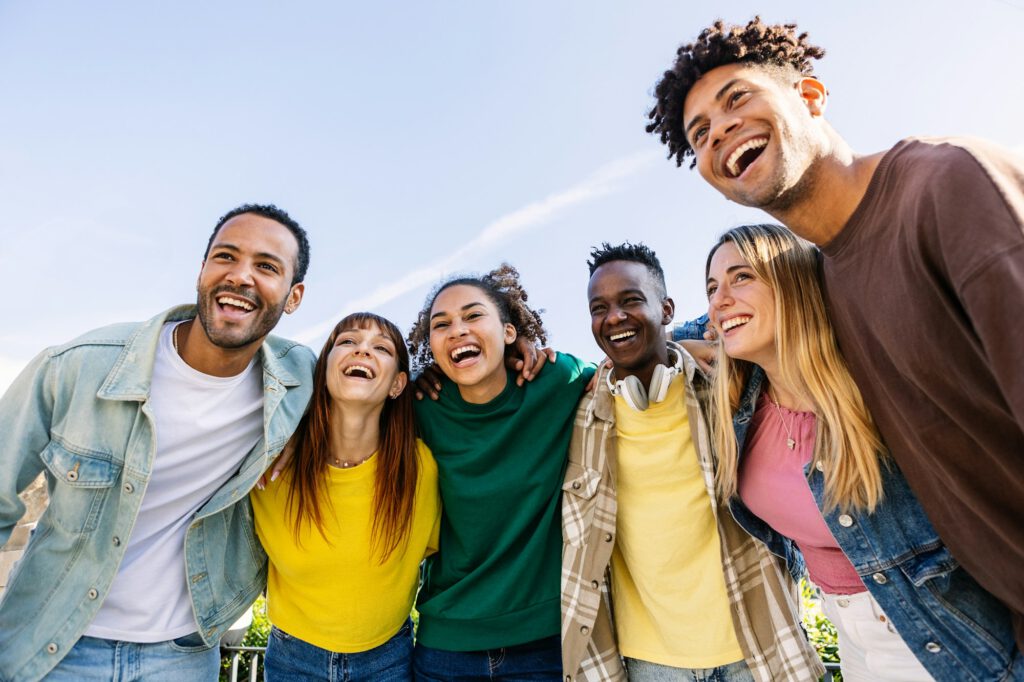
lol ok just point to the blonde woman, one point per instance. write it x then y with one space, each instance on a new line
803 467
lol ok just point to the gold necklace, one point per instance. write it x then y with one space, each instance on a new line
790 442
342 464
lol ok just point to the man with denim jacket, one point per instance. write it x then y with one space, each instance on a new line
150 436
654 569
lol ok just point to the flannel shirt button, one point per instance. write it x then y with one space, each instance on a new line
568 678
584 630
932 647
595 584
575 485
880 578
607 537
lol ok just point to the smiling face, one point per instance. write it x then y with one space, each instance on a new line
246 281
468 340
362 367
741 307
755 134
628 315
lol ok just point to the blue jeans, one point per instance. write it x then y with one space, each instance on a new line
645 671
290 659
537 660
185 659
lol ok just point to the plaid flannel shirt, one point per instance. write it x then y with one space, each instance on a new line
764 599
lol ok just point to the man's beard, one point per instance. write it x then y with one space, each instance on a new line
265 318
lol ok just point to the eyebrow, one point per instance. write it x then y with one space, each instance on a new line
463 309
266 255
624 292
718 96
731 269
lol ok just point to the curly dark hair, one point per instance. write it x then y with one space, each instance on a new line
777 46
634 253
503 288
278 215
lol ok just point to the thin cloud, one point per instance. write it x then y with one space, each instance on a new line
602 182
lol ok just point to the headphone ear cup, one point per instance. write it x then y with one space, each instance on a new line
660 381
633 393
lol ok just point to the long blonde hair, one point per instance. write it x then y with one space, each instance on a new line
847 444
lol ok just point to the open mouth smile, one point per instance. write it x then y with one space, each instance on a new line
233 304
734 322
359 372
744 155
464 354
622 337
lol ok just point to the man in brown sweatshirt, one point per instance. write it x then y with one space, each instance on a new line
923 265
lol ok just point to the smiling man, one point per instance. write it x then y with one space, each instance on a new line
150 436
693 596
923 266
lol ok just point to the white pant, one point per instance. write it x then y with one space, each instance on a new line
870 649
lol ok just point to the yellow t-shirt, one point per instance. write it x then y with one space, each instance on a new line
668 589
339 596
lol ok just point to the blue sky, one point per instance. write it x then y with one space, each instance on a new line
412 140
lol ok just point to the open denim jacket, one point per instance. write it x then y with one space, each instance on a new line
955 628
79 412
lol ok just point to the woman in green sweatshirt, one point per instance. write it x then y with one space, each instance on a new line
490 602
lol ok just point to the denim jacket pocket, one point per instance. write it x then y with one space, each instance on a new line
579 503
82 483
929 565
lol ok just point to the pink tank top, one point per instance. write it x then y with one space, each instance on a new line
773 486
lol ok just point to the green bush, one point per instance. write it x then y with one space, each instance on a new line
820 631
256 636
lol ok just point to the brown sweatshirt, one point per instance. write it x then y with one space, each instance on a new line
925 286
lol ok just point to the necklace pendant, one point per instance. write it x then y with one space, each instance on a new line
790 443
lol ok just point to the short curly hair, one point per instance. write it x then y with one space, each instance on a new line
634 253
278 215
503 288
775 46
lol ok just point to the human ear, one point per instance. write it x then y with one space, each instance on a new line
510 333
294 298
668 310
814 95
398 385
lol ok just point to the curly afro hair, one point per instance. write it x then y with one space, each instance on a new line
777 46
503 288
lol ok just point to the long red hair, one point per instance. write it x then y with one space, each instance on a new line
397 463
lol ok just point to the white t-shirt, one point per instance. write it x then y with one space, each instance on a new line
205 426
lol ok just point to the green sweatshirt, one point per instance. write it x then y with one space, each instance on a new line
495 581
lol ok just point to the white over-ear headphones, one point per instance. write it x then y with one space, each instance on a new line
632 391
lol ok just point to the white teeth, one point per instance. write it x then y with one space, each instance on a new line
359 369
238 303
459 352
735 322
730 163
622 335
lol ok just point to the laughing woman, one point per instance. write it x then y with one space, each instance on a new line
490 603
352 518
799 457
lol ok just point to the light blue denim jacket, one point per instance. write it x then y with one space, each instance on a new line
955 628
80 413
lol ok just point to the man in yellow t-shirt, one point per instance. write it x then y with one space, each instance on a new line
694 597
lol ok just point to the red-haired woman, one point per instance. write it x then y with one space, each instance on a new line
351 519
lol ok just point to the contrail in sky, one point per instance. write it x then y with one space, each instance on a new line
603 181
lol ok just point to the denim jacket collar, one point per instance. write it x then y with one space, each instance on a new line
133 372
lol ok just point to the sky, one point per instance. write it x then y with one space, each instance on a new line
413 140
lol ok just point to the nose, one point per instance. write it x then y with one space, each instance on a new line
722 128
722 298
241 274
457 328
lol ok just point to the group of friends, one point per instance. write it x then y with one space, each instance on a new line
850 409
